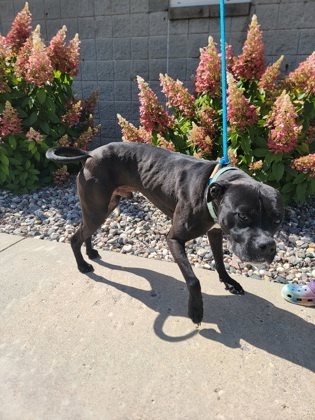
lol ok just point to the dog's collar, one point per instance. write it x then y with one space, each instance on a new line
211 180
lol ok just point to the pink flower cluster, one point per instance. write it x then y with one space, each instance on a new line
240 112
165 144
250 64
64 141
10 123
305 164
133 134
85 138
208 76
199 138
89 104
207 117
178 96
20 29
303 78
269 78
284 131
73 114
33 135
64 58
60 175
5 53
33 62
153 117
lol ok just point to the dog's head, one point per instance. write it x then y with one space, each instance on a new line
249 213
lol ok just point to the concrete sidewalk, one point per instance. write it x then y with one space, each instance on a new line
117 344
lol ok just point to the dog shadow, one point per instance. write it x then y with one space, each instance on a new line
249 317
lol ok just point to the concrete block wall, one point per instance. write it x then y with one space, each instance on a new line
121 39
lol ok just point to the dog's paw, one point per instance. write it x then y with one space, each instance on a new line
93 254
235 289
195 312
85 268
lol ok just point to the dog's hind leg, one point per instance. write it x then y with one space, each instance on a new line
215 239
90 251
92 218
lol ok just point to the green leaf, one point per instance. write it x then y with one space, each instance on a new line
278 170
299 179
32 146
31 119
44 126
4 160
287 188
260 152
12 141
41 96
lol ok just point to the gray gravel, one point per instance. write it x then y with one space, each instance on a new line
138 228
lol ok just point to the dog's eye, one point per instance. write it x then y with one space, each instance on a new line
243 216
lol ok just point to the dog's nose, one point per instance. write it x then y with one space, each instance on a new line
267 247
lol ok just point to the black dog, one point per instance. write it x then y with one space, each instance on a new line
248 212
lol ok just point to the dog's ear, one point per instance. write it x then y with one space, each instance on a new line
215 191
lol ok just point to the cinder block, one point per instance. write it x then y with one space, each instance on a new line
195 42
88 50
140 48
177 46
139 6
306 42
88 88
69 8
121 26
158 5
309 15
158 23
267 16
72 27
87 28
121 48
103 7
120 6
178 27
139 24
88 70
107 110
140 68
122 70
104 27
177 68
192 64
122 91
85 8
281 42
105 70
291 15
124 109
158 47
107 92
104 48
51 9
198 26
156 66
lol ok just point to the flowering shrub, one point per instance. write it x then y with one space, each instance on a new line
38 109
271 121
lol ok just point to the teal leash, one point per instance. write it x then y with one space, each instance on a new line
221 167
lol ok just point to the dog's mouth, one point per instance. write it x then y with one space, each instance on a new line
254 257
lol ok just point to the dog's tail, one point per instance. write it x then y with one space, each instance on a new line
56 154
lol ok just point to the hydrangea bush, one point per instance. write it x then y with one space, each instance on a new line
38 108
271 120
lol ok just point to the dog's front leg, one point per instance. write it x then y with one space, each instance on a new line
195 305
216 238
